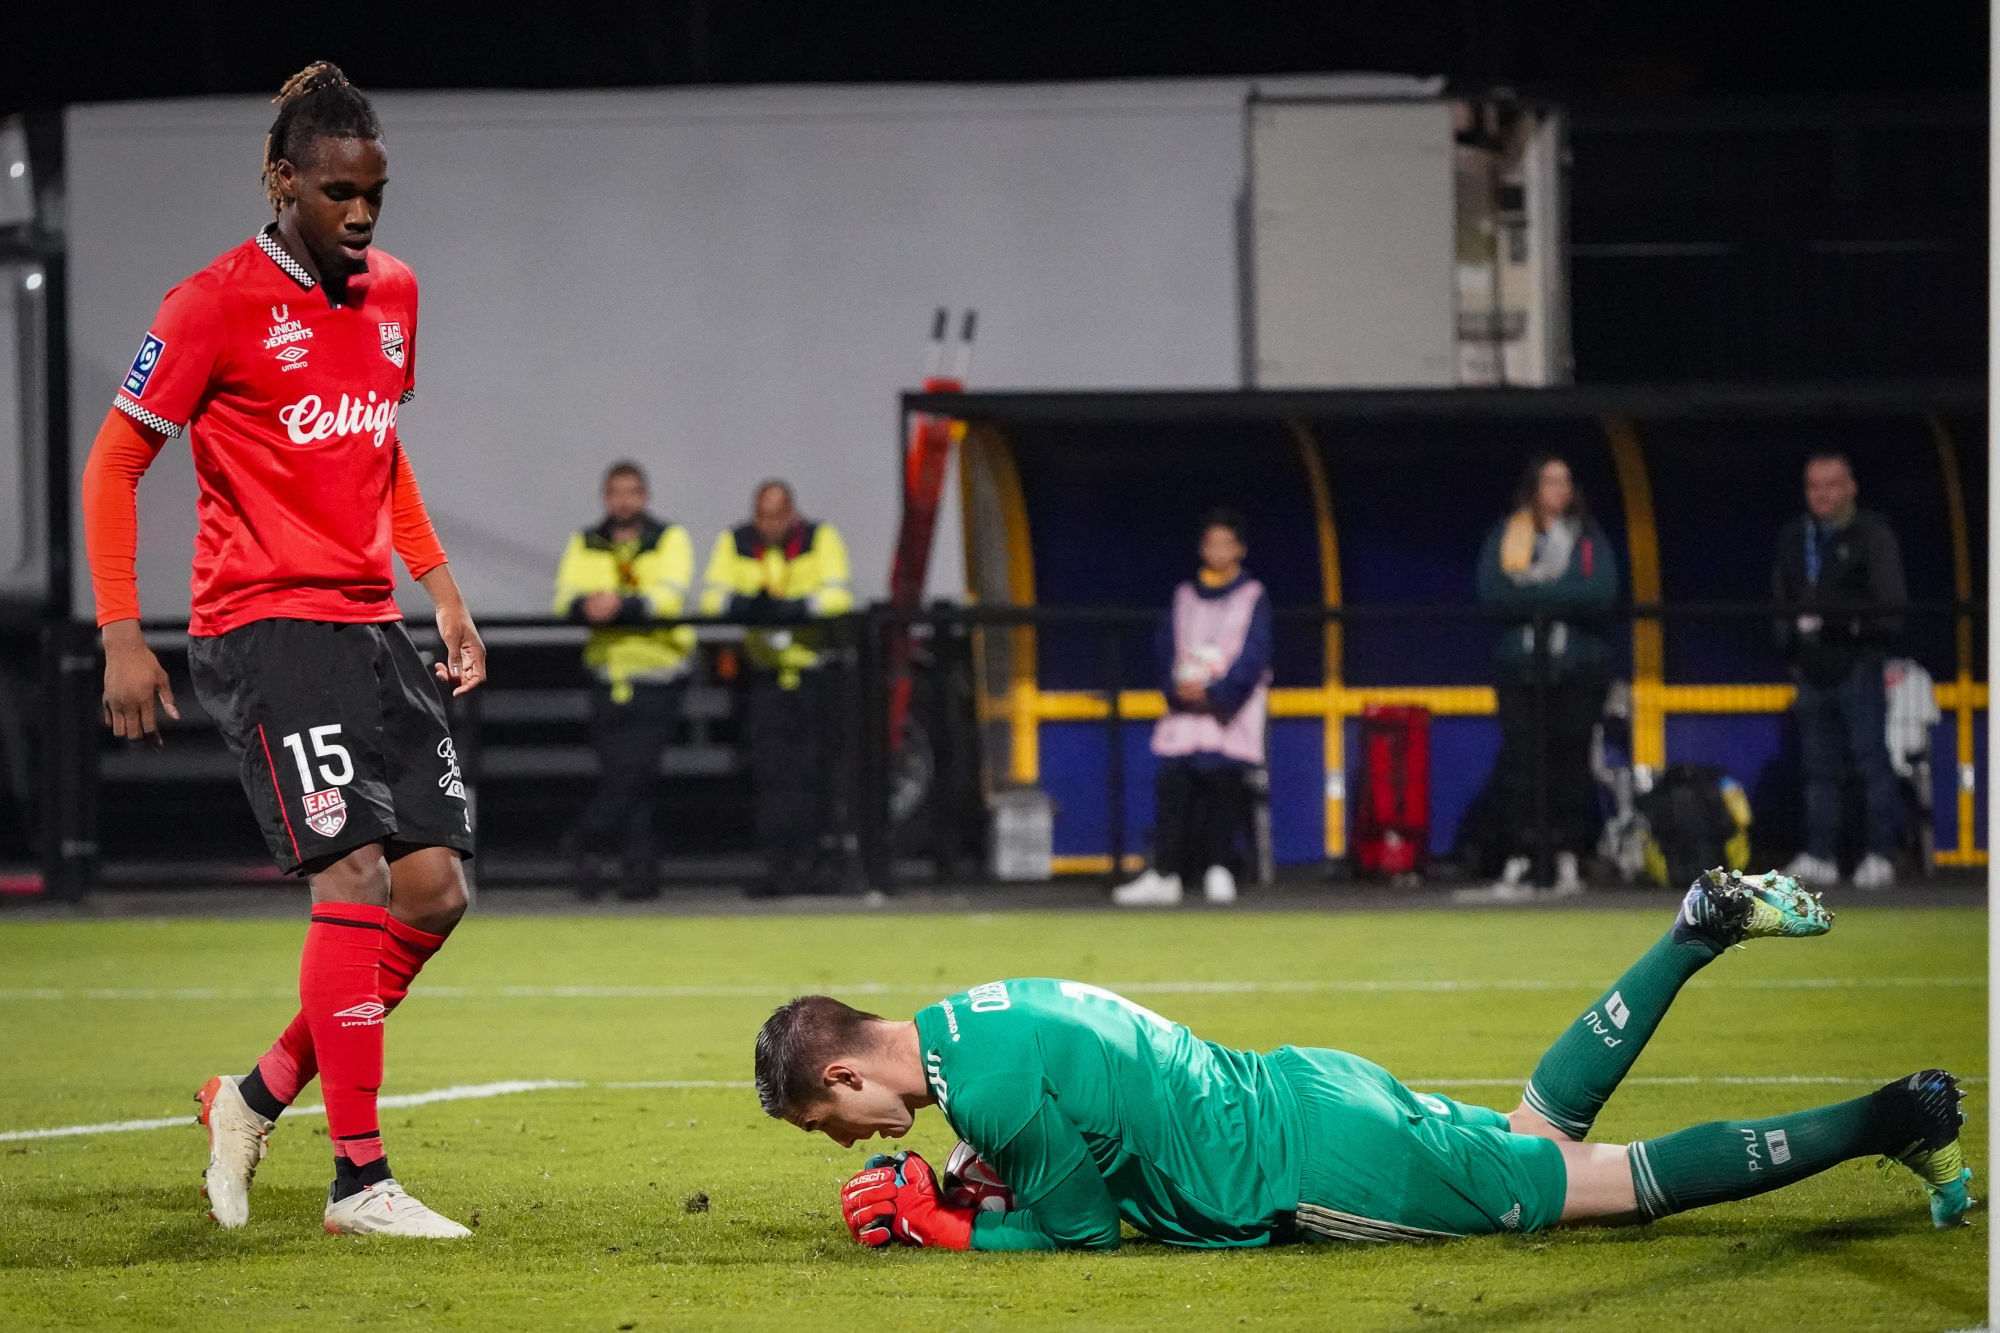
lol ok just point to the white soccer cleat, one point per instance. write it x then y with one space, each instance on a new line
237 1140
1151 889
387 1210
1218 885
1569 882
1812 872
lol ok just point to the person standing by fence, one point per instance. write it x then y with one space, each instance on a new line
1838 583
773 573
1549 568
1214 662
622 576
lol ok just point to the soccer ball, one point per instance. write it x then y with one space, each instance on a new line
969 1182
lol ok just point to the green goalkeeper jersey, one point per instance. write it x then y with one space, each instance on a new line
1093 1108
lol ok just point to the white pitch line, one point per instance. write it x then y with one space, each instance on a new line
473 1091
682 1083
1334 986
456 1093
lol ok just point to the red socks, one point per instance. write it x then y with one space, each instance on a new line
340 1000
405 950
291 1063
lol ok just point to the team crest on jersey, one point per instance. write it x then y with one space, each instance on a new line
326 812
143 364
392 343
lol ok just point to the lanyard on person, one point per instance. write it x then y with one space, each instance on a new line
1814 556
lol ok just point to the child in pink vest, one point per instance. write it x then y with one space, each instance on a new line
1214 656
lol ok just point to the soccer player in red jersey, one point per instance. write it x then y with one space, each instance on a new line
286 361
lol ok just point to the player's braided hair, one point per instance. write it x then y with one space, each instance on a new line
316 103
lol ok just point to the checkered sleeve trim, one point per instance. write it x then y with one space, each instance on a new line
151 420
408 394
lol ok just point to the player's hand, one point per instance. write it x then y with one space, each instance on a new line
868 1203
464 664
599 607
903 1199
133 680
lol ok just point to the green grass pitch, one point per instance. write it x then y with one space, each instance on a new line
581 1193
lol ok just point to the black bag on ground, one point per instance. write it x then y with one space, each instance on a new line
1697 819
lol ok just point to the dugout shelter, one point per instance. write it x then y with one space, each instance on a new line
1367 510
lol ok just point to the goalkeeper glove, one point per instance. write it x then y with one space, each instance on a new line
897 1198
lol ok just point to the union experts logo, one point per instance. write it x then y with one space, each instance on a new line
392 343
142 366
326 812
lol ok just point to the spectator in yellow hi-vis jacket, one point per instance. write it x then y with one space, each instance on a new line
782 567
623 576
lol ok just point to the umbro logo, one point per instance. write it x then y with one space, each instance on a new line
368 1011
293 358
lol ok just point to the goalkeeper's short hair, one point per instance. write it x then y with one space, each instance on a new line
798 1042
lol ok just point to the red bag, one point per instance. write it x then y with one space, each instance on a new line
1392 812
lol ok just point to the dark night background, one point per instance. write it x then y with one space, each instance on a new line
1757 191
1573 50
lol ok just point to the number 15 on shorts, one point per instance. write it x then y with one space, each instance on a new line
326 808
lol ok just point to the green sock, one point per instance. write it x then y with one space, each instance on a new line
1581 1071
1734 1159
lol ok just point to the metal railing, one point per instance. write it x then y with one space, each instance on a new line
989 679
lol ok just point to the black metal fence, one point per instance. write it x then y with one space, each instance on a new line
930 702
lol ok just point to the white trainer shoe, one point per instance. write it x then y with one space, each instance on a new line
1218 885
237 1139
1876 872
1151 889
387 1210
1568 882
1511 887
1812 872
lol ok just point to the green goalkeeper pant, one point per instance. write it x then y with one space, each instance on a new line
1383 1163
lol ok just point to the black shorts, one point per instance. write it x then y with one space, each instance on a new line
339 736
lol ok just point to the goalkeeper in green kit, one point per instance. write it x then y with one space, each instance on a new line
1095 1111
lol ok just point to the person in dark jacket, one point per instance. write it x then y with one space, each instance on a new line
1838 584
1548 562
1213 658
